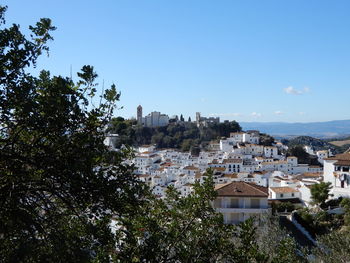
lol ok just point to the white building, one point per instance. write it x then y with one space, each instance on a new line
322 155
336 171
238 201
283 193
271 151
155 119
146 148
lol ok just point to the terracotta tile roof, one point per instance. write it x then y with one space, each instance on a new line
242 189
232 161
167 164
143 175
261 172
275 162
219 169
146 152
234 175
343 162
308 175
198 175
340 157
284 189
190 168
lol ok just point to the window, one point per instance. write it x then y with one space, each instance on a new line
254 203
234 203
281 195
293 194
345 169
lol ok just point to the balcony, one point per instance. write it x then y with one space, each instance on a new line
243 210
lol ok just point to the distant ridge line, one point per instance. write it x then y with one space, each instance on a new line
318 129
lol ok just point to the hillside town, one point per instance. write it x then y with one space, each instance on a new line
241 167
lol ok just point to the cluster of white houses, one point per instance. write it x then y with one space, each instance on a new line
248 176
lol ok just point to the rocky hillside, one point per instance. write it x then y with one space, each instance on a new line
317 144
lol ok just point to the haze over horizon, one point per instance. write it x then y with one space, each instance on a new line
267 61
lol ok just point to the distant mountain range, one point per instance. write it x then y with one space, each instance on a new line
326 129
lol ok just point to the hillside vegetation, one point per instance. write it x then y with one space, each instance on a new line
185 135
317 144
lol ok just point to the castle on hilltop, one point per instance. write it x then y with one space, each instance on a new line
154 119
204 121
157 119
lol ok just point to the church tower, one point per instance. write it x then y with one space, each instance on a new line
139 115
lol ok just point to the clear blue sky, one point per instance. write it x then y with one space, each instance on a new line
244 60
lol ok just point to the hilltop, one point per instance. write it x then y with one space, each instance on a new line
180 135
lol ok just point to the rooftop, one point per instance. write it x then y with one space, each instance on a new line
241 189
283 190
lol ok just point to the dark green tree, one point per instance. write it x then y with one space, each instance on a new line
182 118
320 192
266 139
59 184
303 156
333 247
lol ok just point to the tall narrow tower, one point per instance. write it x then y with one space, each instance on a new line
198 118
139 114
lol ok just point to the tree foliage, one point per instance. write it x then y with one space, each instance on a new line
303 157
320 192
266 139
59 184
333 248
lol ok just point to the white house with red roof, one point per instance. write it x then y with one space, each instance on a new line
238 201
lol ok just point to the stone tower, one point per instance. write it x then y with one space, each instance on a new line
198 118
139 114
